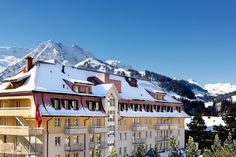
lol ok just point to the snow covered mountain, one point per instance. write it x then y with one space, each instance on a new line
48 50
118 64
220 88
11 55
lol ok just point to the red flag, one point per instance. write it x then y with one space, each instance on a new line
38 117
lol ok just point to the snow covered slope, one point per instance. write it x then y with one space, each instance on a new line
220 88
11 55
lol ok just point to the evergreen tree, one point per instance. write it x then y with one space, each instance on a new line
197 127
228 148
97 152
140 151
207 153
217 148
113 152
191 148
174 152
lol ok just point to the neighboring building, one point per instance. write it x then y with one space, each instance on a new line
51 110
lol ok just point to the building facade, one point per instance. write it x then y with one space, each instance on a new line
51 110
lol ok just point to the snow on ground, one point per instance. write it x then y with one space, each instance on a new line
210 103
209 121
234 98
220 88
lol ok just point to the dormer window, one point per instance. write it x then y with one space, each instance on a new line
90 105
74 104
76 89
56 104
67 104
97 106
132 81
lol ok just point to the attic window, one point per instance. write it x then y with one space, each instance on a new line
67 104
132 81
75 105
56 104
16 84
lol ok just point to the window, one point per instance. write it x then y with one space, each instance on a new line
125 150
67 123
76 154
17 103
76 123
76 139
179 132
57 141
150 134
56 104
111 101
99 138
146 134
76 88
91 138
4 139
87 89
97 106
120 151
90 105
75 105
67 155
125 134
120 135
67 104
57 122
111 116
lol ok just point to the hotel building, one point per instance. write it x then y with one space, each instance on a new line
52 110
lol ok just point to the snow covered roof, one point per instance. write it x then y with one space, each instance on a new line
143 113
81 81
132 93
209 121
101 89
48 77
47 110
17 77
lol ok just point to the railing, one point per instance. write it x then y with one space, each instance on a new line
10 148
139 127
98 129
166 126
20 130
74 130
14 111
74 147
101 145
139 140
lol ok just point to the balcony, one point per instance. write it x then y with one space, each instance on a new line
74 147
75 130
139 141
166 126
16 111
98 129
138 127
161 139
20 130
102 145
10 148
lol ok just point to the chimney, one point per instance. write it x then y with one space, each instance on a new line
63 69
29 63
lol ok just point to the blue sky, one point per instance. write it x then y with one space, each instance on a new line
185 38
